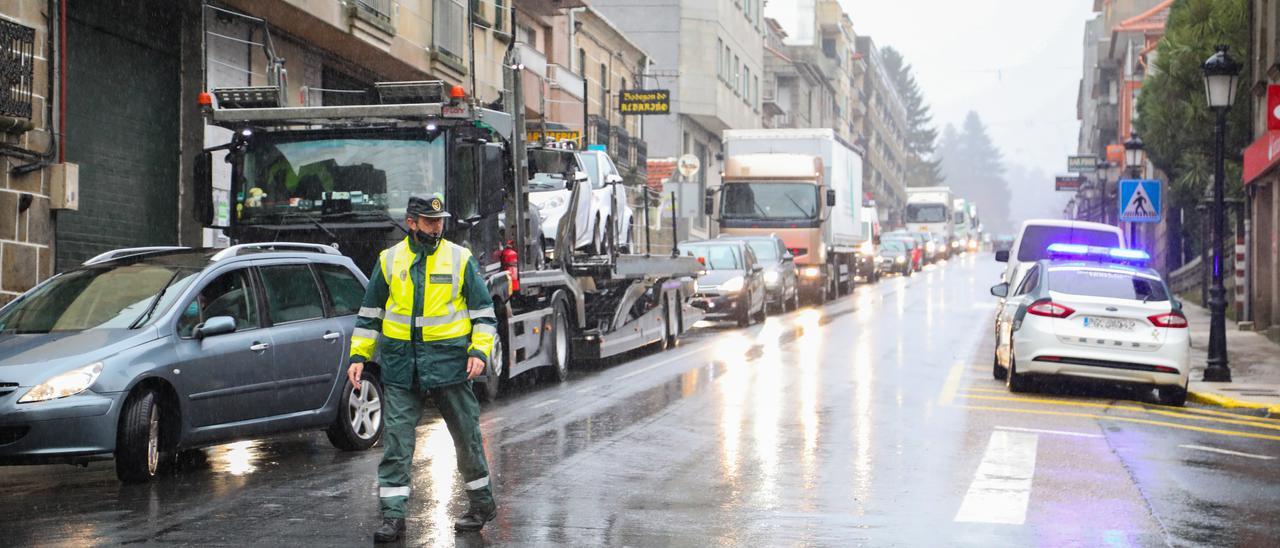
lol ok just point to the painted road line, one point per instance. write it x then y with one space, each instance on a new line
987 390
1226 452
1053 432
951 385
1132 408
659 364
1001 487
544 404
1095 416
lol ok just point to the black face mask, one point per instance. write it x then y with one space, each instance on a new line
428 239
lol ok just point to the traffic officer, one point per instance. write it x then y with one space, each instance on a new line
432 308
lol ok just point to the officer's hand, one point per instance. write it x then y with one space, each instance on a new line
353 373
475 366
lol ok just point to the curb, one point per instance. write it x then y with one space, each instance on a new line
1218 400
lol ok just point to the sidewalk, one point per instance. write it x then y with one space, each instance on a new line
1254 361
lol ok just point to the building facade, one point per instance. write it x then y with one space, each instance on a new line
709 54
884 130
1262 178
611 62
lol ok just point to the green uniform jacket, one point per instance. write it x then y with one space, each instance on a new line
435 363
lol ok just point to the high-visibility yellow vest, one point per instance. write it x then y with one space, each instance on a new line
444 311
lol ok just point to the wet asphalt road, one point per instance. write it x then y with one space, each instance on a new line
871 421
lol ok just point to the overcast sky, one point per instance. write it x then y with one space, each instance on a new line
1017 63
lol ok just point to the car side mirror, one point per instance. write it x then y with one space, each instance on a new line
217 325
1002 256
612 179
757 269
1177 305
788 258
831 197
1000 290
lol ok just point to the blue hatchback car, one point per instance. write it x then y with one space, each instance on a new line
140 353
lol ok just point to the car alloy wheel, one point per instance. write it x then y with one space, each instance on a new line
364 409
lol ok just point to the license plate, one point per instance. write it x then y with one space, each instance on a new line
1109 324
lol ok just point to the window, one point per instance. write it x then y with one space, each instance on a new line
737 75
1029 282
1105 283
449 27
755 92
292 294
582 63
604 89
230 294
118 297
746 84
499 15
727 73
345 290
525 34
1036 239
720 58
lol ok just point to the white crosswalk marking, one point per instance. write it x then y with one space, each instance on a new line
1001 487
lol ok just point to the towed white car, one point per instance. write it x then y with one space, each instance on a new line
1092 312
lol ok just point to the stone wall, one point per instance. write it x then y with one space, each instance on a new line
26 222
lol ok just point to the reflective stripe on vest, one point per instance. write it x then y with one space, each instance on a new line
444 312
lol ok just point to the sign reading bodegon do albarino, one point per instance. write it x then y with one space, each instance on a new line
644 101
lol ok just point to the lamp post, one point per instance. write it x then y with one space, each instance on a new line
1220 76
1133 161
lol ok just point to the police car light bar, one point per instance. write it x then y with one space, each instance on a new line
248 97
1114 254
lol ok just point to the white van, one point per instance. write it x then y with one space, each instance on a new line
1035 236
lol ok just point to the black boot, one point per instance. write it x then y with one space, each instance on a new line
390 530
475 518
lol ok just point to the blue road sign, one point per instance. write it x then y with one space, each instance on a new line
1140 200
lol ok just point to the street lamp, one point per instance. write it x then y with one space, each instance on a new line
1133 153
1220 74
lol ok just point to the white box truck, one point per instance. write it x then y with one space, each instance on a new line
929 209
805 185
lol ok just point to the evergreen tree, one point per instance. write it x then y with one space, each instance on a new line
921 138
974 169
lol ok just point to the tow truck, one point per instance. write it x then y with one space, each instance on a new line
341 176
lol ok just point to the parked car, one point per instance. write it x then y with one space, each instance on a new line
552 174
1036 235
1089 317
895 257
138 354
733 286
781 280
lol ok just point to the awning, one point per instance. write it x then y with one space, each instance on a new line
1261 156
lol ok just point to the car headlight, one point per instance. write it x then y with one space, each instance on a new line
928 247
900 259
867 248
811 272
734 284
771 277
67 384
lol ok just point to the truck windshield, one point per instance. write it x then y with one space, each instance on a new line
769 201
296 181
926 213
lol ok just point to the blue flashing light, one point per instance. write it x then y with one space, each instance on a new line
1129 254
1069 249
1098 253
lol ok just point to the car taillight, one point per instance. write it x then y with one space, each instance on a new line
1169 319
1049 309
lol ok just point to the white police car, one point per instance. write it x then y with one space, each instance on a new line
1097 313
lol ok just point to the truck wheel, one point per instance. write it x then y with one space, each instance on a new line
560 344
489 390
358 424
138 438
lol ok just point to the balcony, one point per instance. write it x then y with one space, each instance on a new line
549 8
533 60
565 80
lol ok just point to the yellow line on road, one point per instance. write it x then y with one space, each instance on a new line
1232 433
951 385
1136 408
1263 422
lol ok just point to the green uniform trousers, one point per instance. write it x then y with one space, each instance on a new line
402 411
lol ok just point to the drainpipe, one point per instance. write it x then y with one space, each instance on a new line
573 51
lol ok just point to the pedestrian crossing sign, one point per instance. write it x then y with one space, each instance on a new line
1140 201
